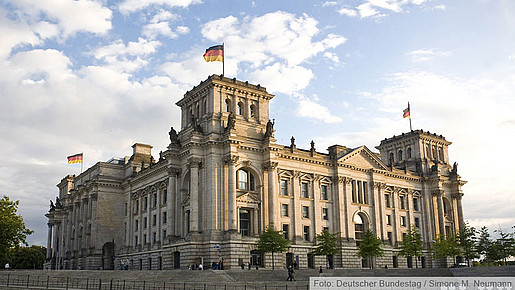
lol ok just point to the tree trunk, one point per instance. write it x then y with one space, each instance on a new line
273 268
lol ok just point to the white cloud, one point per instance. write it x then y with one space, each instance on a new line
310 109
71 16
332 56
127 58
129 6
282 78
348 12
426 55
440 7
329 3
153 30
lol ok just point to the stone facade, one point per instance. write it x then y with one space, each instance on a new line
223 179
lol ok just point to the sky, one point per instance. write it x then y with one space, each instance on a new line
98 76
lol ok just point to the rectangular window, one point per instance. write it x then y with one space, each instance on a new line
387 200
154 199
145 220
136 207
125 211
164 235
306 233
286 231
325 229
244 222
144 241
417 222
403 221
365 193
402 202
136 226
284 187
325 214
164 217
415 204
145 203
389 219
304 189
135 240
242 180
360 192
284 210
390 237
154 237
165 196
323 192
305 212
353 186
154 220
404 236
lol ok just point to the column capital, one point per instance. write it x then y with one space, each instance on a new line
438 193
173 171
270 165
231 159
379 185
194 162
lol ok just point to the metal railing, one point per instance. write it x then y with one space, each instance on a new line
57 283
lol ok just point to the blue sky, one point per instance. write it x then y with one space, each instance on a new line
99 76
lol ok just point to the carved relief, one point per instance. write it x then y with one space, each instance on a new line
194 162
231 159
270 165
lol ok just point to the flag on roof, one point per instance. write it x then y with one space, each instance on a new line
77 158
214 53
406 113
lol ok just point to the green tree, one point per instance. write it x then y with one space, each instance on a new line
505 244
12 228
28 257
370 247
272 241
412 245
468 242
484 243
326 244
447 247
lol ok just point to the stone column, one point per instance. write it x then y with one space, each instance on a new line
194 164
460 211
172 215
272 193
316 210
295 217
231 162
396 217
349 232
378 209
441 221
411 215
49 241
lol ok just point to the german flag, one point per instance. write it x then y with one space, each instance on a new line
406 113
214 53
77 158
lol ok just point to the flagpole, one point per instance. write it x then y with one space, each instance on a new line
82 164
409 109
223 59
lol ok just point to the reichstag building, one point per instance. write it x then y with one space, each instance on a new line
223 179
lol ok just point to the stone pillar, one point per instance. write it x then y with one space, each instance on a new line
194 164
295 213
272 193
378 209
349 232
172 215
49 242
316 210
460 211
231 162
396 217
411 215
441 221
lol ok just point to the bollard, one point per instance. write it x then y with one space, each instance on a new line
67 279
99 284
8 279
47 281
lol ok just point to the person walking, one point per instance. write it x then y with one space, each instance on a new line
320 271
290 273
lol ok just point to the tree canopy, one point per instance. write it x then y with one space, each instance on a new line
412 245
31 257
447 247
370 247
272 241
12 227
326 244
468 242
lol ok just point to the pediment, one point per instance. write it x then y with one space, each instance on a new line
362 157
248 197
186 201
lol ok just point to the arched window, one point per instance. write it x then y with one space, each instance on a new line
252 111
390 160
409 153
245 180
399 155
227 105
359 226
240 108
204 109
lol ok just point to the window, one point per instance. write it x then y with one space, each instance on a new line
145 203
145 222
252 111
353 185
325 214
245 180
154 237
359 227
440 153
403 221
417 222
245 223
391 160
125 211
136 207
389 236
428 151
240 108
284 187
360 192
144 241
435 156
404 236
286 231
409 153
164 217
402 201
284 210
399 155
323 192
415 203
304 190
136 224
305 212
227 105
165 196
164 235
365 192
154 199
135 240
389 219
154 220
306 233
325 229
387 200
